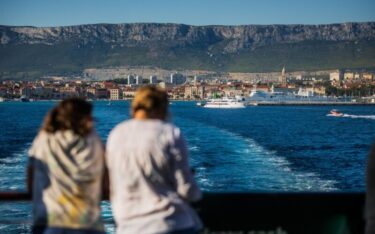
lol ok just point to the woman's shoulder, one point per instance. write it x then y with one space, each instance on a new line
119 131
39 142
121 127
172 130
40 137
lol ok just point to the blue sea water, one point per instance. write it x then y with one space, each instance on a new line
262 148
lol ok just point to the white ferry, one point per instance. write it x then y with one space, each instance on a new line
224 103
302 96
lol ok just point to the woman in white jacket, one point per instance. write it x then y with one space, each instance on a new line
65 172
151 182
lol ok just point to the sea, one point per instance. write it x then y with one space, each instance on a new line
254 149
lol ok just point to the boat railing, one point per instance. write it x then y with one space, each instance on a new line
266 212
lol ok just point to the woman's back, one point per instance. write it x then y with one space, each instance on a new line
150 177
67 180
66 170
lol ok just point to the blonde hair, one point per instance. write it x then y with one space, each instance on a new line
152 100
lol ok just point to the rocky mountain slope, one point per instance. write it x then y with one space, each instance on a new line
178 46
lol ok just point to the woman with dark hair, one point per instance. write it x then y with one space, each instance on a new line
65 171
151 182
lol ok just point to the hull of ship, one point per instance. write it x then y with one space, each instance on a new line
231 106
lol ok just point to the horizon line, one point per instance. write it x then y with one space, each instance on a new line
194 25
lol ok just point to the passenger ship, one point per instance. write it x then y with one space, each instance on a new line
302 96
227 103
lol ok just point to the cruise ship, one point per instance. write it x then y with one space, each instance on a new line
224 103
301 96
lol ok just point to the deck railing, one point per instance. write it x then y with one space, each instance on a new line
271 213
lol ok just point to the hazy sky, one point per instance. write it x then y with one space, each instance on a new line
195 12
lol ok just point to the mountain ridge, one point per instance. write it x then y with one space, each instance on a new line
243 35
181 46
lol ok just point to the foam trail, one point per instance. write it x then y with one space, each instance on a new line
224 161
359 116
353 116
13 170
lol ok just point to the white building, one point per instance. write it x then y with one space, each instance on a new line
194 92
367 76
357 76
335 76
306 92
114 94
128 93
348 76
138 80
153 79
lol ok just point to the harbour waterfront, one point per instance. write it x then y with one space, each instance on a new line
262 148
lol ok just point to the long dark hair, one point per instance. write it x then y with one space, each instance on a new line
70 114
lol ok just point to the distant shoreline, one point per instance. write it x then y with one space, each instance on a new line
316 104
250 104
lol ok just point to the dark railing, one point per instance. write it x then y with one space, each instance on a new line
272 213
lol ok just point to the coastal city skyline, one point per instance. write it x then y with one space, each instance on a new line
319 87
42 13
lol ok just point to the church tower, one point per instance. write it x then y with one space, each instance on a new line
282 78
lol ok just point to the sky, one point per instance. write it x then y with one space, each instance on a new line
44 13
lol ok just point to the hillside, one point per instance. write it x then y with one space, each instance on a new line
31 51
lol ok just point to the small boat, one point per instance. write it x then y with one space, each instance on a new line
24 99
200 103
335 113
